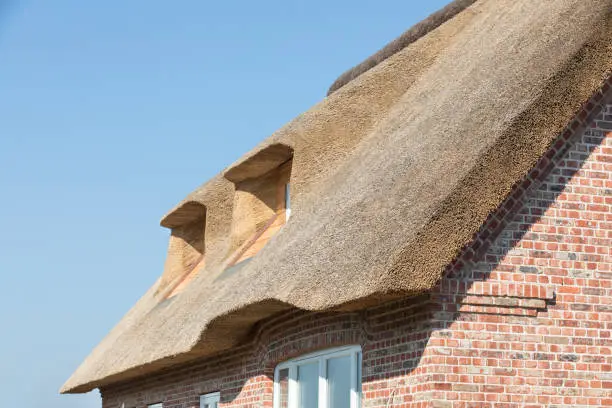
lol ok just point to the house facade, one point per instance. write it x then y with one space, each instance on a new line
493 288
524 318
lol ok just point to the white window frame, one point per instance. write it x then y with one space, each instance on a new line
211 398
321 357
287 201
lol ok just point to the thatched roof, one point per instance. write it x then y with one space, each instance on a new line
391 176
408 37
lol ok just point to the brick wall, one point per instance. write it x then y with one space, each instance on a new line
522 319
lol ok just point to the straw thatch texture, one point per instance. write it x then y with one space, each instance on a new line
391 176
408 37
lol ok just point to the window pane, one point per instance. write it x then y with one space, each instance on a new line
209 400
283 387
308 383
339 382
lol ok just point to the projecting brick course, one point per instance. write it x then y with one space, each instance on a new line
522 319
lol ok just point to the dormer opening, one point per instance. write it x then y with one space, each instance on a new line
186 249
262 203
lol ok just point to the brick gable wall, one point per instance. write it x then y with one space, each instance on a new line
522 319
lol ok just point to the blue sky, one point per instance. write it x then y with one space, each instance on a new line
111 112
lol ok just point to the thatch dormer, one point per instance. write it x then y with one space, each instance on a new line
262 200
185 250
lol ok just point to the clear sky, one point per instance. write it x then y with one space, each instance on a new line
110 113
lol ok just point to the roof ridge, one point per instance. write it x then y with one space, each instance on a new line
413 34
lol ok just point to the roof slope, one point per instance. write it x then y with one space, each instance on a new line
392 175
408 37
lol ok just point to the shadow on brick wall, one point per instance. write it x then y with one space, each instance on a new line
499 278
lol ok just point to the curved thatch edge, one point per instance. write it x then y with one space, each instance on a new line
184 213
408 37
232 328
259 163
241 318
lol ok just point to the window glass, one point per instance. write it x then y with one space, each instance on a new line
209 400
308 383
339 382
283 385
326 379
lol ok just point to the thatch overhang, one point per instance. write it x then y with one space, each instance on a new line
184 213
392 175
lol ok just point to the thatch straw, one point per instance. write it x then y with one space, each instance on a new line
392 175
408 37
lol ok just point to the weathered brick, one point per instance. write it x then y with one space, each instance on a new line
465 387
529 269
568 357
